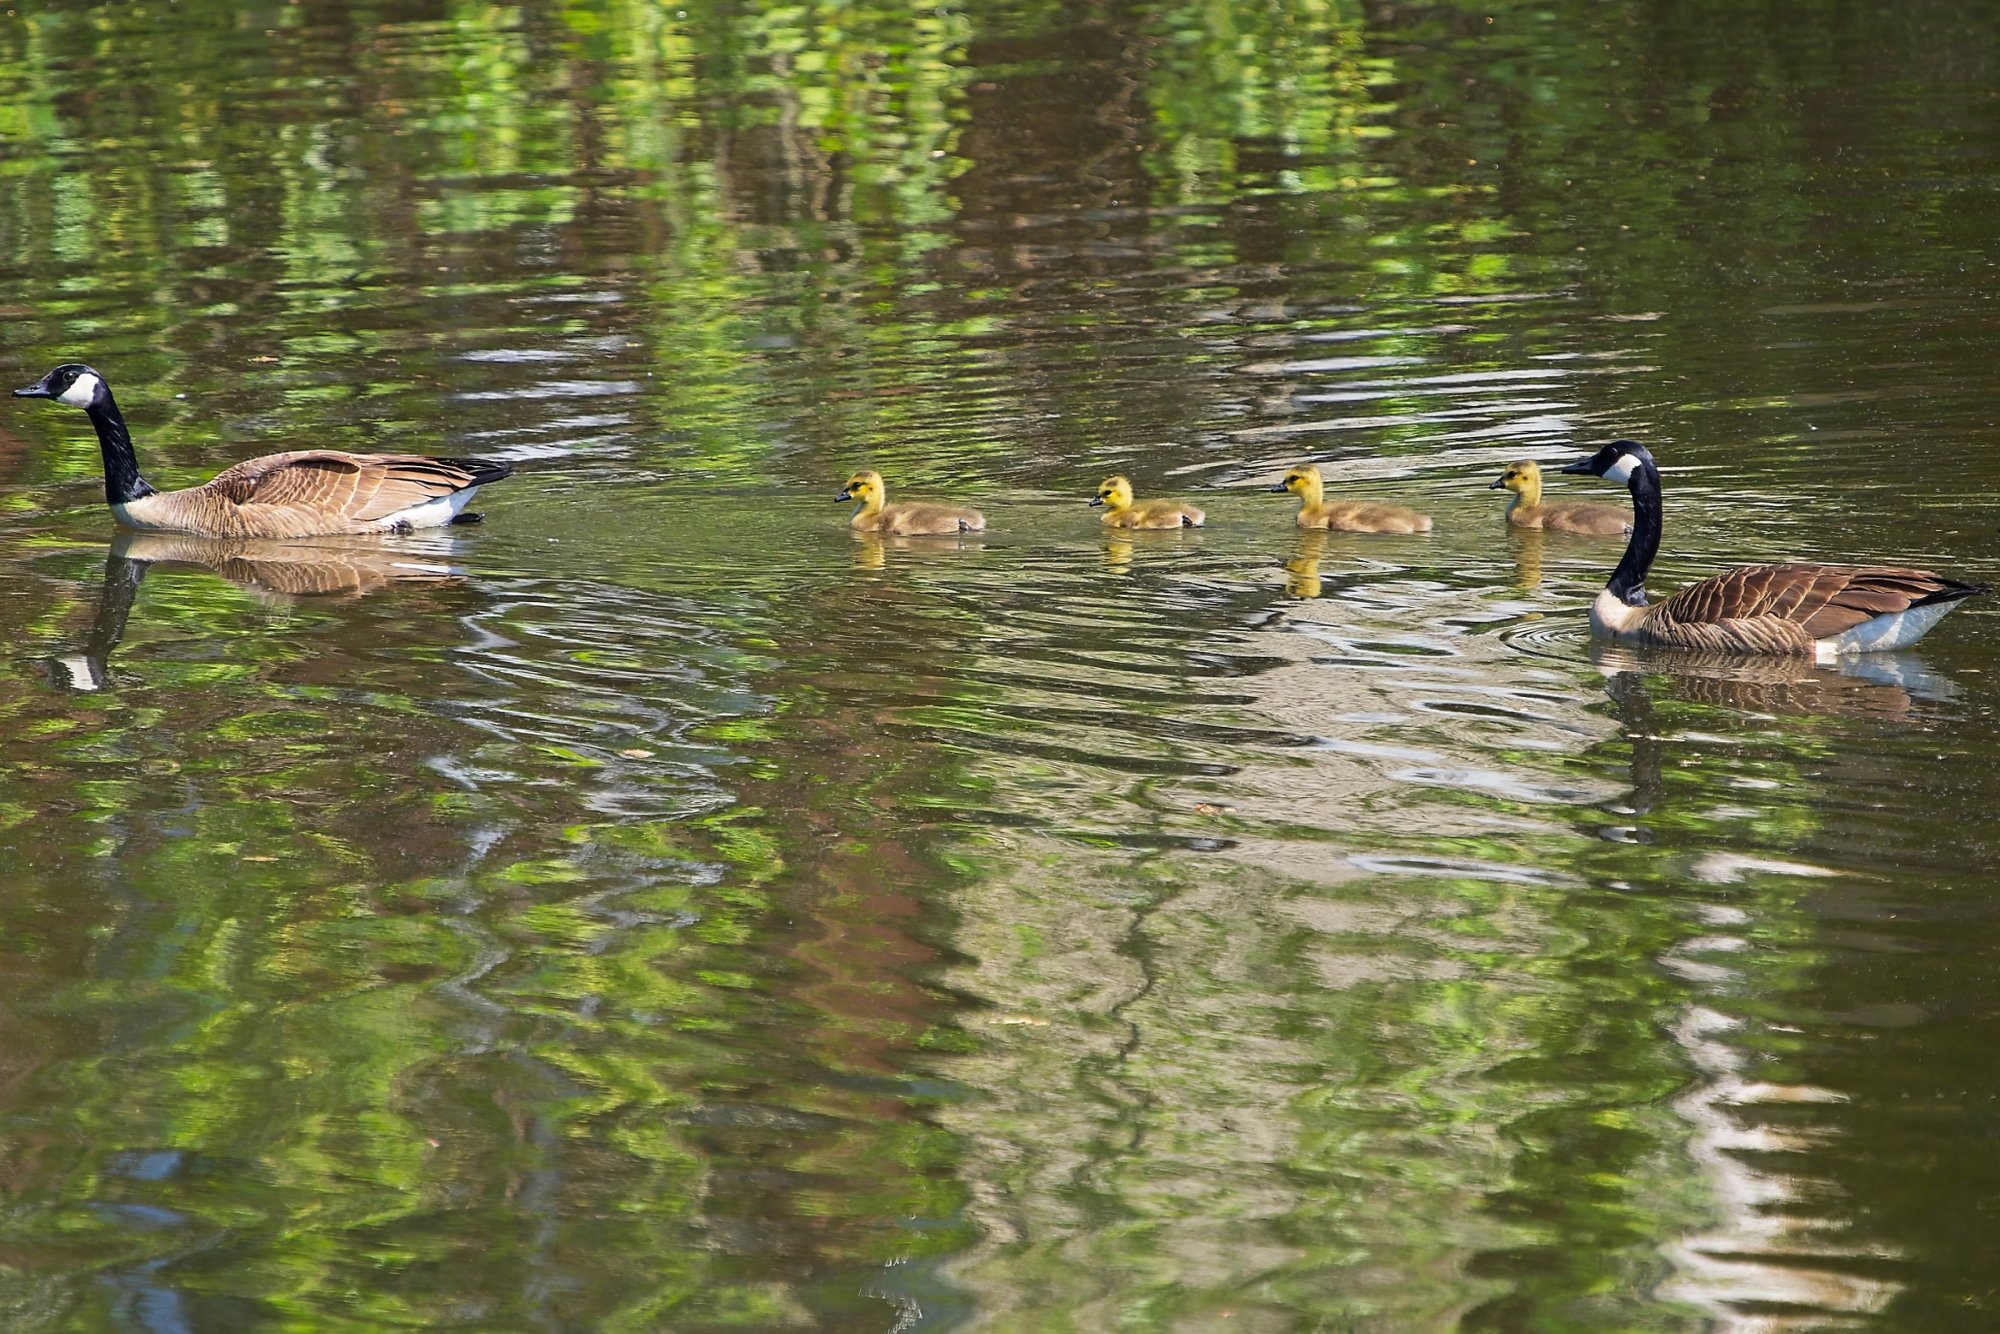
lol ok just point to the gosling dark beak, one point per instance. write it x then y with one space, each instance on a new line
1281 487
1581 465
844 495
34 391
1095 501
1498 482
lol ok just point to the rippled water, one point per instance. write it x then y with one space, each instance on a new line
660 908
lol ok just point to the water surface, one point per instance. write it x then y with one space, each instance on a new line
658 908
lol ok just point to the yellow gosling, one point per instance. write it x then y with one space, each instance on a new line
905 520
1581 517
1122 511
1346 516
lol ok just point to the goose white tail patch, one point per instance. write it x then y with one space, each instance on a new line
81 391
431 513
1880 634
1621 471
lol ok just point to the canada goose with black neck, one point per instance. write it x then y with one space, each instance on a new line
301 493
1824 610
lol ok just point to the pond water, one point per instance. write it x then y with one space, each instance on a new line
659 908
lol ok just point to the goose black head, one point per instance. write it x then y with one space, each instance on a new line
1616 462
72 382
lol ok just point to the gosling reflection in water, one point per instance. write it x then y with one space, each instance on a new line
330 567
1302 570
1528 557
1123 545
1883 685
1117 555
871 550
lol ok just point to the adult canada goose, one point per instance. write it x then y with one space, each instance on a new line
303 493
1825 610
904 520
1122 511
1526 509
1346 516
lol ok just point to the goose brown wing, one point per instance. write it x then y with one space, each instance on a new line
1824 600
360 487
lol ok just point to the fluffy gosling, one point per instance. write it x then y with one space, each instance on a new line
1122 511
875 515
1581 517
1346 516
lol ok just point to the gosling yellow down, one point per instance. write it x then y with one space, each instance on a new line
1346 516
1581 517
875 515
1122 511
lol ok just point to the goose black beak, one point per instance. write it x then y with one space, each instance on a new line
1281 487
1499 482
844 495
1581 465
34 391
1095 501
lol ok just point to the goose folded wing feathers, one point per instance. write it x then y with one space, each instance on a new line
1823 600
360 488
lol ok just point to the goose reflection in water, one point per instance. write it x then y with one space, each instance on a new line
1883 685
1779 1239
328 567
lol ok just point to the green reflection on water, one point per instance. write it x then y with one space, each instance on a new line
674 913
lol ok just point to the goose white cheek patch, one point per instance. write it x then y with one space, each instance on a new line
79 394
1621 471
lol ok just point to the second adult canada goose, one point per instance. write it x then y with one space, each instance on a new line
903 520
1581 517
1824 610
303 493
1122 511
1346 516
